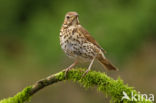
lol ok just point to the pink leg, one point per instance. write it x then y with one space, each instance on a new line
70 67
89 68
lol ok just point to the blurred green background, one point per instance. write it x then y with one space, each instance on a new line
30 50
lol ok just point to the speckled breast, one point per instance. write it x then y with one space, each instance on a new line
75 45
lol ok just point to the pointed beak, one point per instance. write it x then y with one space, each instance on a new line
76 15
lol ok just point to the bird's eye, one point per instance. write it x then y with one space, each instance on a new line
67 17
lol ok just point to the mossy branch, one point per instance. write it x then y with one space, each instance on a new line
109 86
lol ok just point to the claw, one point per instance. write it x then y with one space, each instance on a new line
66 71
88 67
70 67
86 72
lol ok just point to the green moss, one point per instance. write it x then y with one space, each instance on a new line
105 84
19 98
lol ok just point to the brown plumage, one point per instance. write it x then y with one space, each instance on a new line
106 63
79 45
89 38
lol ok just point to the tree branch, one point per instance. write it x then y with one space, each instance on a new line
45 82
107 85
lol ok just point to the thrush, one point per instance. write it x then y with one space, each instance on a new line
79 45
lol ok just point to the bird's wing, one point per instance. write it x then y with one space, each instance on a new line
89 38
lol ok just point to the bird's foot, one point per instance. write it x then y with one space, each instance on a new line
66 71
86 72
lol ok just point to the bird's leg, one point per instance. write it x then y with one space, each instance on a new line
89 68
70 67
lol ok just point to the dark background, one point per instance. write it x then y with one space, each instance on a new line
30 50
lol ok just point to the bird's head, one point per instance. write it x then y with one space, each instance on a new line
71 18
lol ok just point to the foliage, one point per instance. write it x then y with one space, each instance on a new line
32 27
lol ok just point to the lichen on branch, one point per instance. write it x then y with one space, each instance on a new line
104 83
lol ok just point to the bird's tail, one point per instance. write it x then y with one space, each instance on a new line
106 63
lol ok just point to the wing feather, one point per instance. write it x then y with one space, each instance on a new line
89 38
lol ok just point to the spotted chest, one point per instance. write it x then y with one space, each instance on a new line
75 45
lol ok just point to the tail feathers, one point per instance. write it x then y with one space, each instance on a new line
107 63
